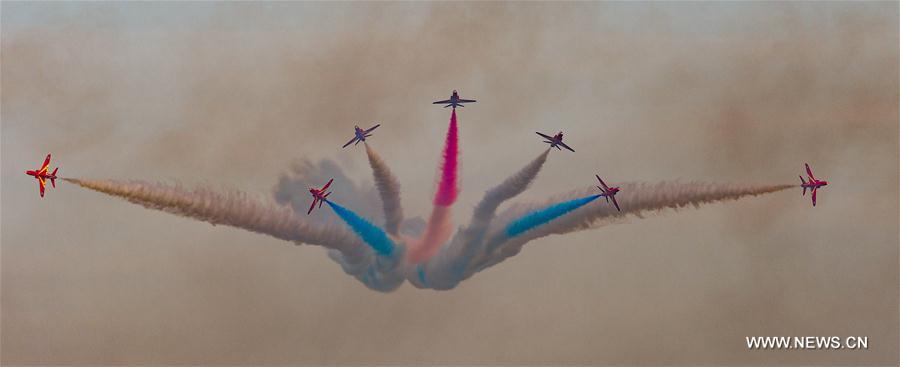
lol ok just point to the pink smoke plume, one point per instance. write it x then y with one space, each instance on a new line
447 190
436 233
439 226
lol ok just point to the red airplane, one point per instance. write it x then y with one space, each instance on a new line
454 101
608 192
555 141
319 196
41 175
813 184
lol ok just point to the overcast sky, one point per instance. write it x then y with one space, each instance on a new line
232 94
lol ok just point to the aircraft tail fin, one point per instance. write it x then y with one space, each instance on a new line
803 182
53 177
324 198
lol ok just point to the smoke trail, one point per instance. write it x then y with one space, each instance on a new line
437 232
232 208
512 186
546 215
379 265
449 277
384 273
439 226
635 198
389 189
447 268
447 190
369 233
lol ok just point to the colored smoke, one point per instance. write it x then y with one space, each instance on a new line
546 215
370 234
384 273
388 189
377 260
440 226
437 232
231 208
455 256
447 189
635 198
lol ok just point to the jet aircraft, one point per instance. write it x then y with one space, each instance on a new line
813 184
608 192
555 141
360 134
454 101
319 196
41 175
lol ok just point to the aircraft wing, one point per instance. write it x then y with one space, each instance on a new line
605 188
616 203
326 185
442 102
46 165
566 146
313 206
42 184
545 136
808 171
467 101
349 142
814 195
371 129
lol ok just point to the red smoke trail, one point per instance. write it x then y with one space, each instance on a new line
447 190
439 226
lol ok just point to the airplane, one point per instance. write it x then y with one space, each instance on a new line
361 134
319 196
813 184
555 141
41 175
454 101
608 192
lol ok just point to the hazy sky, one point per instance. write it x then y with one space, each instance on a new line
233 94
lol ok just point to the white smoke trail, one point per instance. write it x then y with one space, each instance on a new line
236 209
482 244
389 189
635 199
447 268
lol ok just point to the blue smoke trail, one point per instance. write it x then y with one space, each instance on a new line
544 216
370 233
